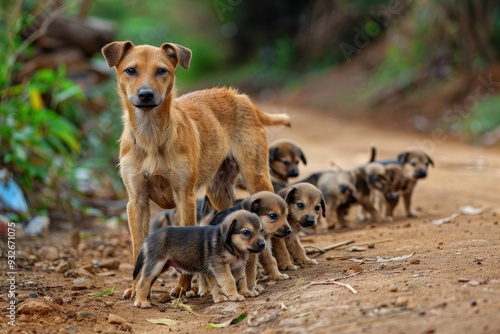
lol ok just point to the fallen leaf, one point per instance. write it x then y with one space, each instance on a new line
381 259
229 322
445 220
164 321
104 293
470 210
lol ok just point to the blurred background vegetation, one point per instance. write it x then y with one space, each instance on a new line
419 65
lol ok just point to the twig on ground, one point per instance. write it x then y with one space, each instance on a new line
328 248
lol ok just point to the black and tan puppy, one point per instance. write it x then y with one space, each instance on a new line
170 217
284 159
305 207
272 211
216 251
414 163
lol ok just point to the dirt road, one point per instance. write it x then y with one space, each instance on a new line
450 285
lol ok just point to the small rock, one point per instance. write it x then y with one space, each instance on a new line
415 261
84 316
71 314
58 300
58 320
165 298
401 301
109 304
62 267
75 238
393 288
32 295
109 264
71 273
50 253
329 258
126 327
34 306
162 307
473 283
84 272
115 319
371 246
473 303
108 251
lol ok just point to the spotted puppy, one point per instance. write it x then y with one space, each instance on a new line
305 207
217 251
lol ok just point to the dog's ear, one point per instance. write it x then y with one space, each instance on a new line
273 153
429 160
290 196
179 54
403 157
227 228
255 205
114 52
323 205
302 157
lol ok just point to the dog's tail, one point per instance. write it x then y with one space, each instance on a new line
273 119
139 263
373 154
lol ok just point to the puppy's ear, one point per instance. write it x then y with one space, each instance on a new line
429 160
323 205
403 157
255 205
290 196
302 157
178 54
114 52
227 228
273 154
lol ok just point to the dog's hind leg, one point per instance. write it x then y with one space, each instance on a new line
220 188
149 274
183 286
253 161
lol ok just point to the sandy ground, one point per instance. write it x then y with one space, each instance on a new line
451 284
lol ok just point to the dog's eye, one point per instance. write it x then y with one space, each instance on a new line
273 216
246 233
262 232
285 162
413 163
317 207
161 71
300 206
130 71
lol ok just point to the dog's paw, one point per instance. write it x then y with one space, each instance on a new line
191 294
413 214
280 277
309 261
142 304
219 298
248 293
288 266
128 294
235 298
176 292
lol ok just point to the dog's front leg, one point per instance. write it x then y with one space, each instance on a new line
407 197
226 282
251 272
186 206
241 281
282 255
298 252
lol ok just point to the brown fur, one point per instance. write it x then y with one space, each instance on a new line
284 159
171 146
219 252
305 207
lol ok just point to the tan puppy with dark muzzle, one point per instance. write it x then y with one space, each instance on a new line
305 207
284 158
172 146
415 163
215 251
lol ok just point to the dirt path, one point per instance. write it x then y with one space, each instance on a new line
450 285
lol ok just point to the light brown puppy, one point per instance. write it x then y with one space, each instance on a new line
414 163
216 251
284 158
171 146
305 207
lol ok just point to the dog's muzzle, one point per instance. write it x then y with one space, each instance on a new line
420 174
283 232
308 221
294 172
145 99
261 244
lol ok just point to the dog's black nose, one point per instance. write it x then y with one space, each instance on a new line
288 231
310 221
261 244
421 173
293 172
392 197
146 95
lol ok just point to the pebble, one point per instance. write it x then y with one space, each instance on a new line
126 327
58 320
401 301
473 303
108 251
473 283
371 246
84 316
58 300
62 267
109 264
162 307
32 295
115 319
393 288
50 253
34 306
71 314
75 238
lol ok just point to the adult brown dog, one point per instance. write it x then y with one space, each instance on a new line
172 146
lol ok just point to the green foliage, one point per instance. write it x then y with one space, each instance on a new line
484 118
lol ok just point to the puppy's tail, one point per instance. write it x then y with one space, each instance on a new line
373 154
139 263
273 119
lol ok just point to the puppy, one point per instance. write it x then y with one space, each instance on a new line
305 207
204 212
415 164
172 146
272 211
284 159
341 189
216 251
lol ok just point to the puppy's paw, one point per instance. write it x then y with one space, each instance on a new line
176 292
235 298
279 277
128 294
288 266
142 304
309 261
248 293
413 214
258 289
191 294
